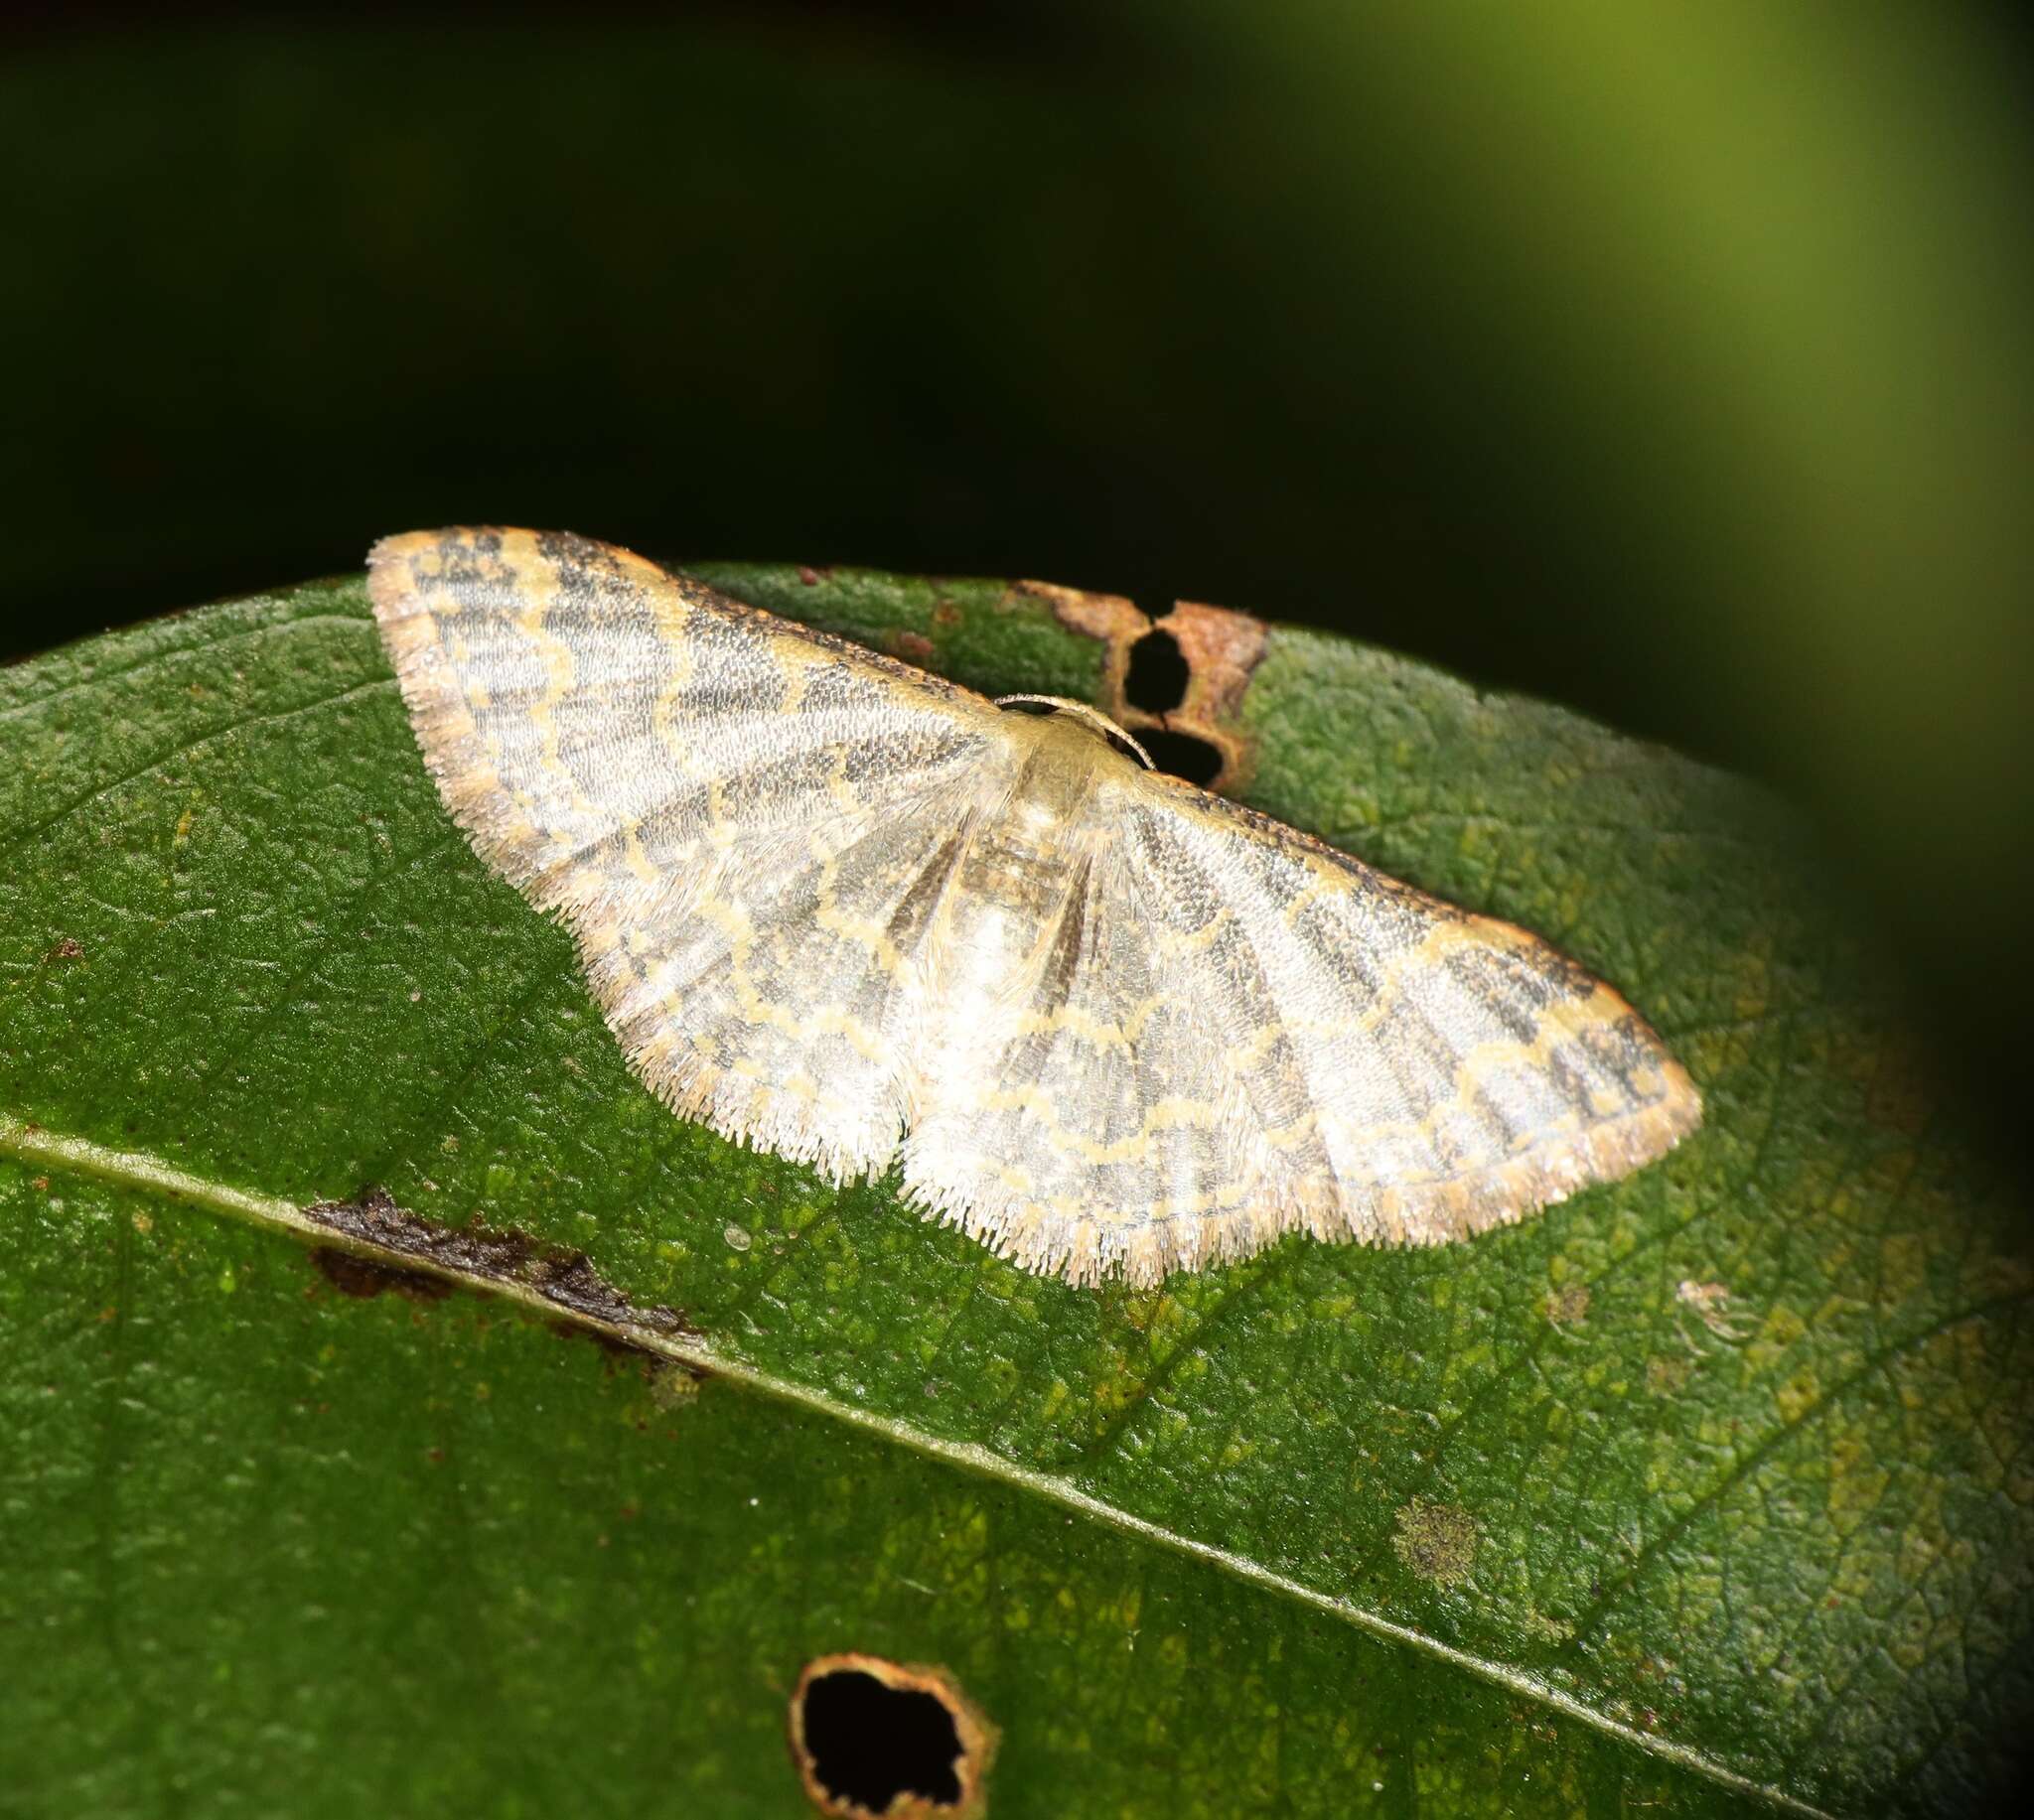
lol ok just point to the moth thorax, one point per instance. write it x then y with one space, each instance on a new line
1066 759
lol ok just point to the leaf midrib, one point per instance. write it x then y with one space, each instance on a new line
138 1171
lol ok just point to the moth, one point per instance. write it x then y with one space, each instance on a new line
1104 1022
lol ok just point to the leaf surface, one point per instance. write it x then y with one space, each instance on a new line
1708 1491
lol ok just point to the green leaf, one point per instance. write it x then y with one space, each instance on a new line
1706 1492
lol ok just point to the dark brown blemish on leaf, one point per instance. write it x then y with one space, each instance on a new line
1192 726
911 647
876 1740
353 1275
70 948
475 1257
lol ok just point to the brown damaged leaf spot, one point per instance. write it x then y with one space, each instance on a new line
1113 622
1220 647
1568 1305
1222 650
1436 1541
912 647
476 1258
353 1275
876 1740
70 948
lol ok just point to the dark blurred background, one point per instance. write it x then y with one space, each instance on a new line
1672 362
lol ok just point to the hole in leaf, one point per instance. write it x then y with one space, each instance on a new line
871 1743
1197 760
876 1738
1157 675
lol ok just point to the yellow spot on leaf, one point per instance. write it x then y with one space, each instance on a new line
1800 1395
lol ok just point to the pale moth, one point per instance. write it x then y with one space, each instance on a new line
1101 1021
